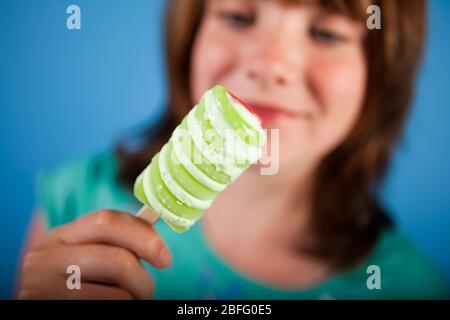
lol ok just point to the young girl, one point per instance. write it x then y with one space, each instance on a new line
339 94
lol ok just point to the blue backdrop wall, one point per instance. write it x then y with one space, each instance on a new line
69 92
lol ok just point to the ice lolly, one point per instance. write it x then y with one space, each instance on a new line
214 144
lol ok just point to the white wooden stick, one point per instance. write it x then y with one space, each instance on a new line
147 214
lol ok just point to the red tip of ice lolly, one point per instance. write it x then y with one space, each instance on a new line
244 104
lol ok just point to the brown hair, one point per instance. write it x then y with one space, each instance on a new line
347 216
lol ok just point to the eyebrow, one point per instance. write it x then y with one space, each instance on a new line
354 9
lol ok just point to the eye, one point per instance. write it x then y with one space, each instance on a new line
326 36
237 19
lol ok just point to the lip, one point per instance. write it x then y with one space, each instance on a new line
269 113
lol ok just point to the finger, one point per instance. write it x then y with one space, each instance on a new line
112 265
38 273
94 291
117 229
97 263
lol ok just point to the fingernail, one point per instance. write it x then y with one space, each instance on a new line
165 258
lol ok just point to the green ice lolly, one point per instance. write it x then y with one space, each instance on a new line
214 144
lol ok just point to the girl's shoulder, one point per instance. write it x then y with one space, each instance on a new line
404 271
79 186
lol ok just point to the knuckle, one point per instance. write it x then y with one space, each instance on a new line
104 219
31 259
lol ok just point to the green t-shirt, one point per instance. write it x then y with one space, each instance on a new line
198 272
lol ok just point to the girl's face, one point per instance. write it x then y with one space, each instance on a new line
301 68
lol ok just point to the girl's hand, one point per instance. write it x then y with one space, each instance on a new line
106 245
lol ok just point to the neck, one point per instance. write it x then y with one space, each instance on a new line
266 207
256 222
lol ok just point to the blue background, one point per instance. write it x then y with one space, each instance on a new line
69 92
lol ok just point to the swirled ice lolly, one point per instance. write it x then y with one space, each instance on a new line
214 144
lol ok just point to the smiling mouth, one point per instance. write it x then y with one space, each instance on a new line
270 114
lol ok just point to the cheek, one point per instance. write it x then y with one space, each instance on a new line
212 58
340 87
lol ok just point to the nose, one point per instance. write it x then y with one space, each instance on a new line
271 64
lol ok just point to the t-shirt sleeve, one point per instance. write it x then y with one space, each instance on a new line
408 273
79 187
423 279
58 193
